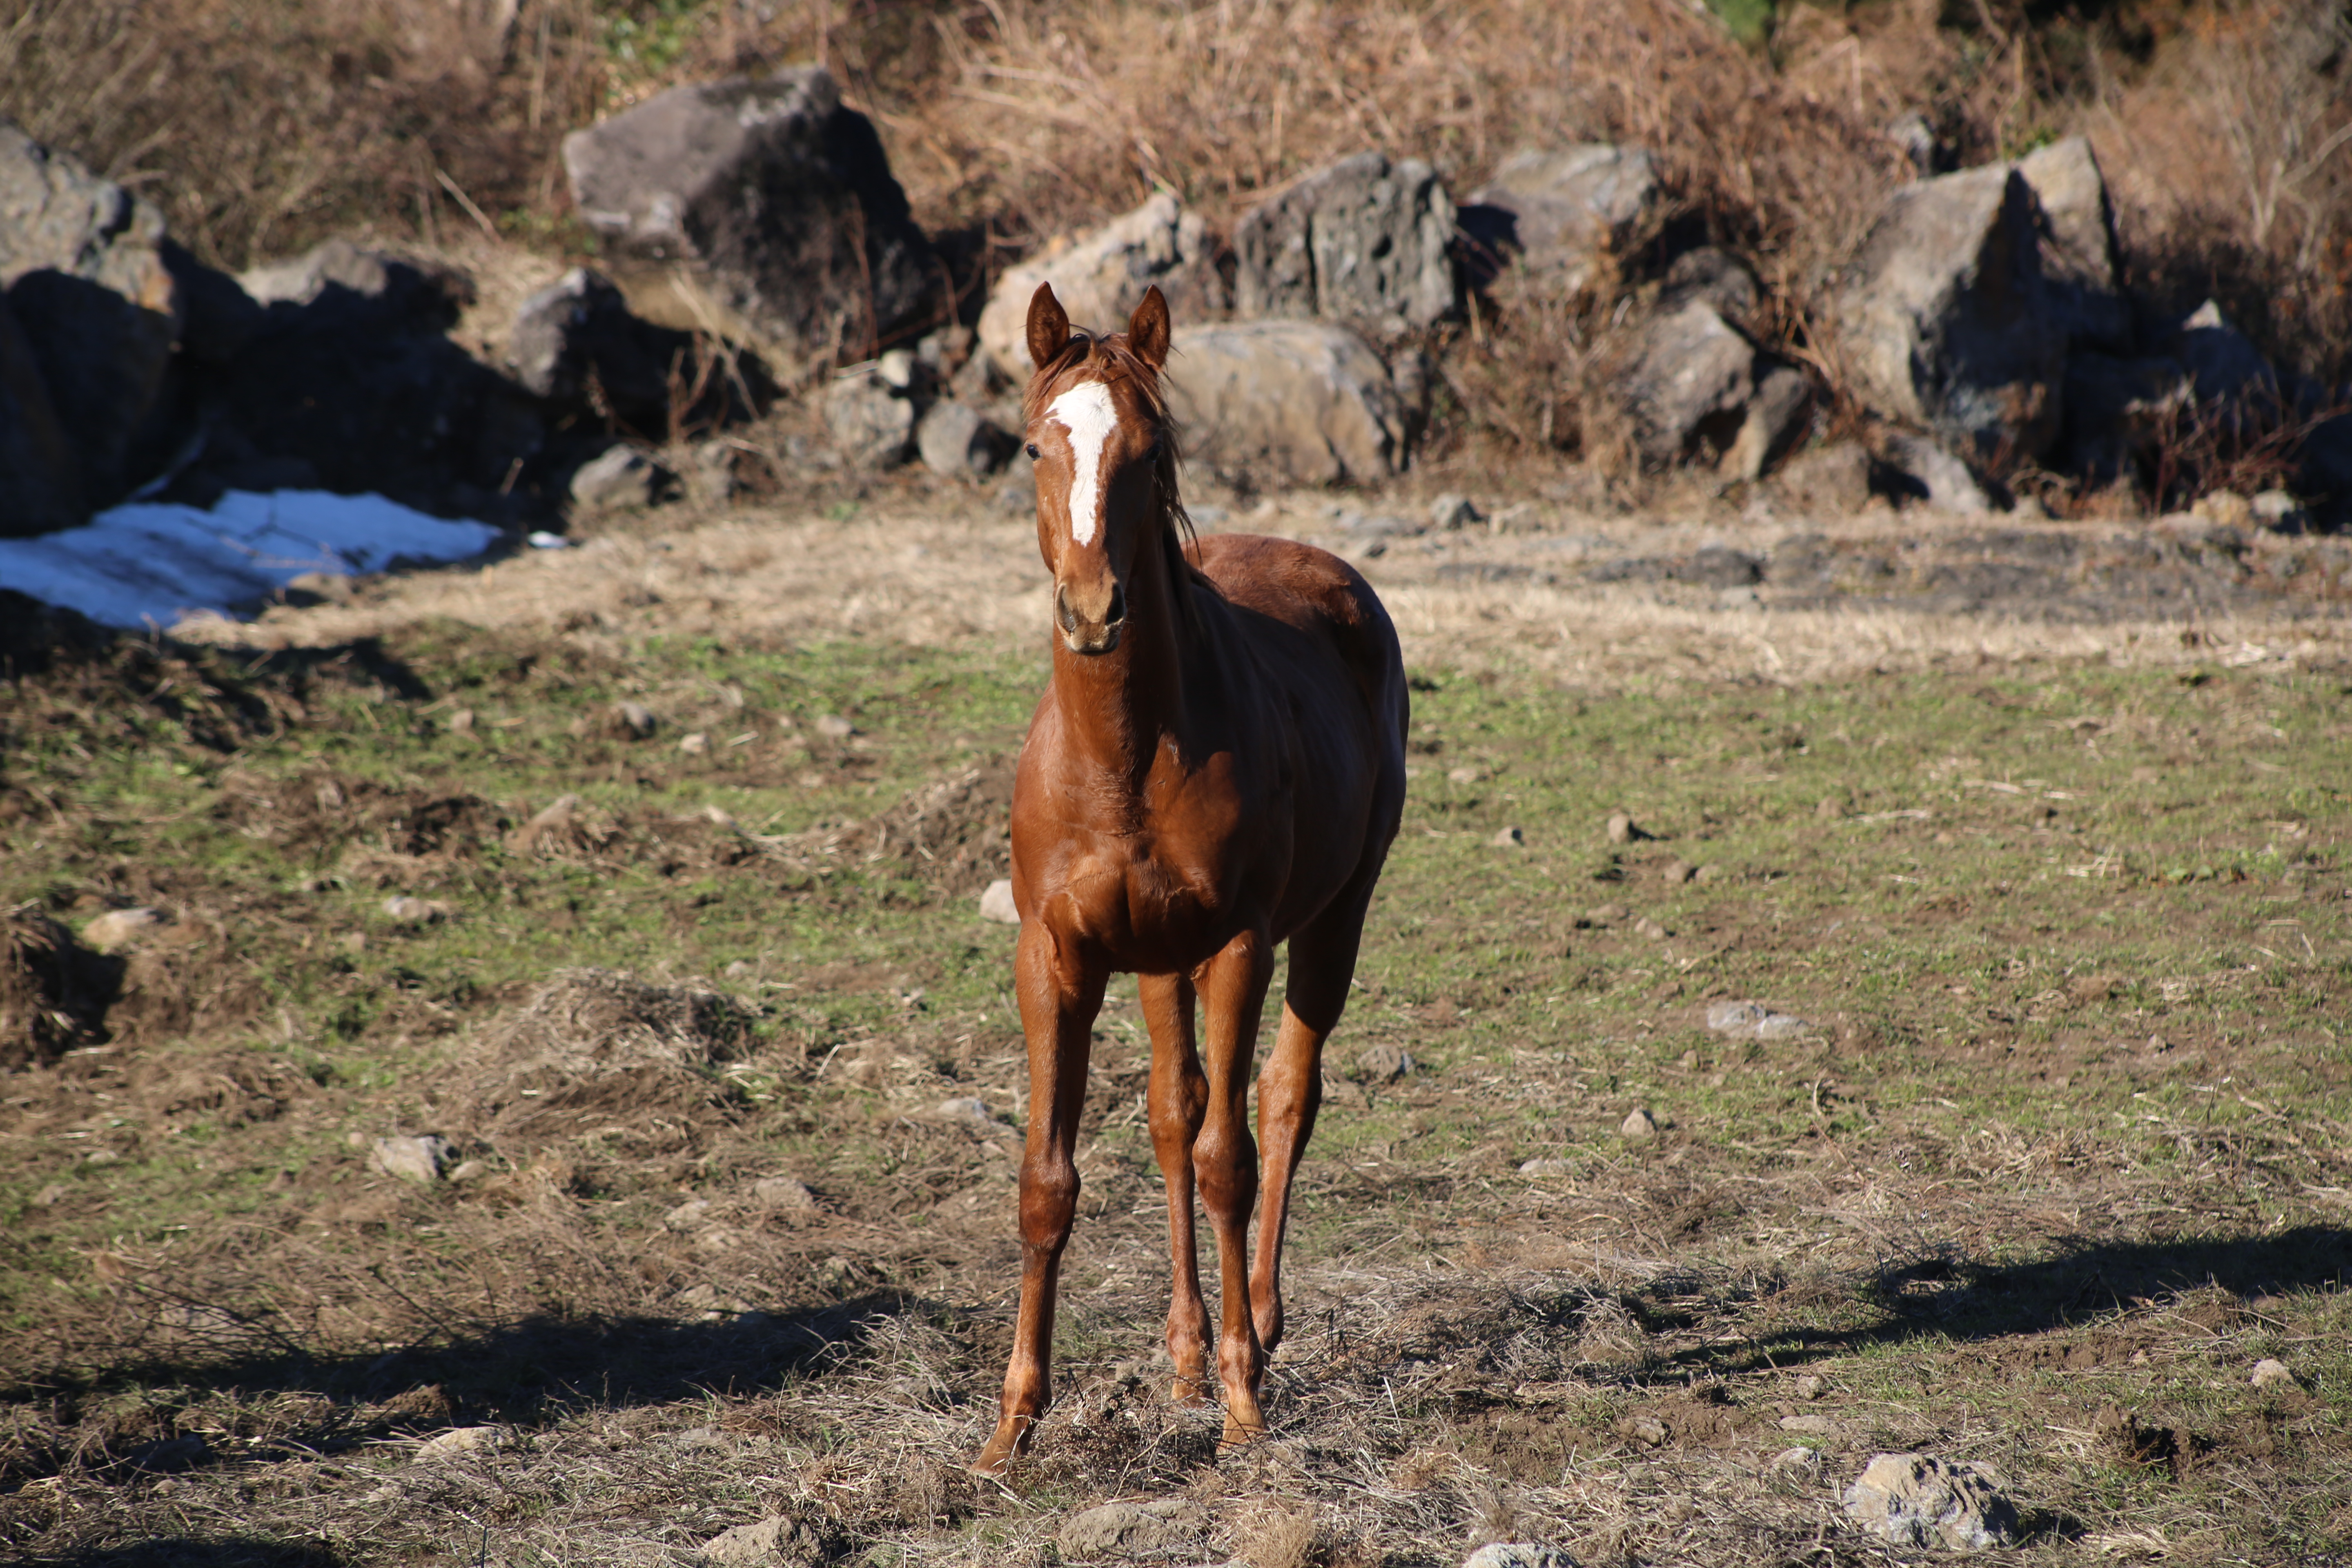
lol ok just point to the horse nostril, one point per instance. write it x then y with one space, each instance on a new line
1117 611
1062 611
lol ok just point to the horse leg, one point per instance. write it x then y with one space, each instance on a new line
1290 1089
1224 1159
1180 1098
1059 998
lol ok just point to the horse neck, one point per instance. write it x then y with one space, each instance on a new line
1116 706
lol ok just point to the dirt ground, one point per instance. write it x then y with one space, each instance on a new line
2029 834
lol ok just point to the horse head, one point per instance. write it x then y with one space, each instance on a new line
1104 447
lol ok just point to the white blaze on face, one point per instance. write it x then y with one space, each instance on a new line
1088 414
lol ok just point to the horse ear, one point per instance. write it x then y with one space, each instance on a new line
1049 326
1147 329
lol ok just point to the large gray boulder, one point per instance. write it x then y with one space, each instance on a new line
1100 276
763 210
98 310
1917 1499
1946 320
577 338
2078 244
40 478
1690 384
1563 216
1363 238
1289 402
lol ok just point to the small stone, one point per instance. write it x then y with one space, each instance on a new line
1781 1026
784 1192
1810 1387
1677 872
1449 513
996 903
468 1170
1127 1529
1547 1165
1602 916
1508 838
779 1541
1622 829
51 1196
1650 929
2270 1370
969 1110
1517 1554
1710 872
695 745
1798 1464
461 722
415 911
118 928
622 480
1915 1500
1812 1425
834 726
1647 1430
2278 511
1384 1062
456 1440
1639 1126
412 1160
1464 775
637 718
688 1214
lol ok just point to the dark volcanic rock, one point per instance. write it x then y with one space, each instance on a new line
763 210
1363 237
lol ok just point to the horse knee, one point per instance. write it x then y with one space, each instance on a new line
1225 1167
1049 1203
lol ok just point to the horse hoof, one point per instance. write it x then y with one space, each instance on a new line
1240 1434
1000 1451
1188 1391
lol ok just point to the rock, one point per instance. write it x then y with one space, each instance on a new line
1126 1530
1508 838
1746 1020
714 470
2268 1370
2276 511
1622 829
762 209
349 371
1775 419
1712 872
457 1440
1688 387
1449 513
779 1541
1639 1126
2118 410
1946 320
696 744
40 471
969 1110
1828 481
784 1192
960 442
690 1213
1798 1464
2078 245
1810 1386
1362 238
81 260
1100 276
1914 1500
1603 916
1547 1165
418 911
1647 1430
412 1158
1650 929
1517 1554
1713 276
1917 142
1677 872
996 903
1812 1425
638 720
2222 361
1384 1062
1565 216
1295 403
118 928
1935 476
622 480
834 726
871 421
579 332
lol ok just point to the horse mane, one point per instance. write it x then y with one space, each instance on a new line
1109 355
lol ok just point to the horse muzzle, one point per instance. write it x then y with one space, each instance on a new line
1090 621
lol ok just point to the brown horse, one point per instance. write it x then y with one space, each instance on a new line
1217 766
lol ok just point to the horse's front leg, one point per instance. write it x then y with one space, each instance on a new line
1059 996
1178 1100
1224 1159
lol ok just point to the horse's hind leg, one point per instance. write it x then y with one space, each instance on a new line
1179 1099
1225 1160
1290 1089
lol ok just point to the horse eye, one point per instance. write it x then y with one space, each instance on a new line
1032 451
